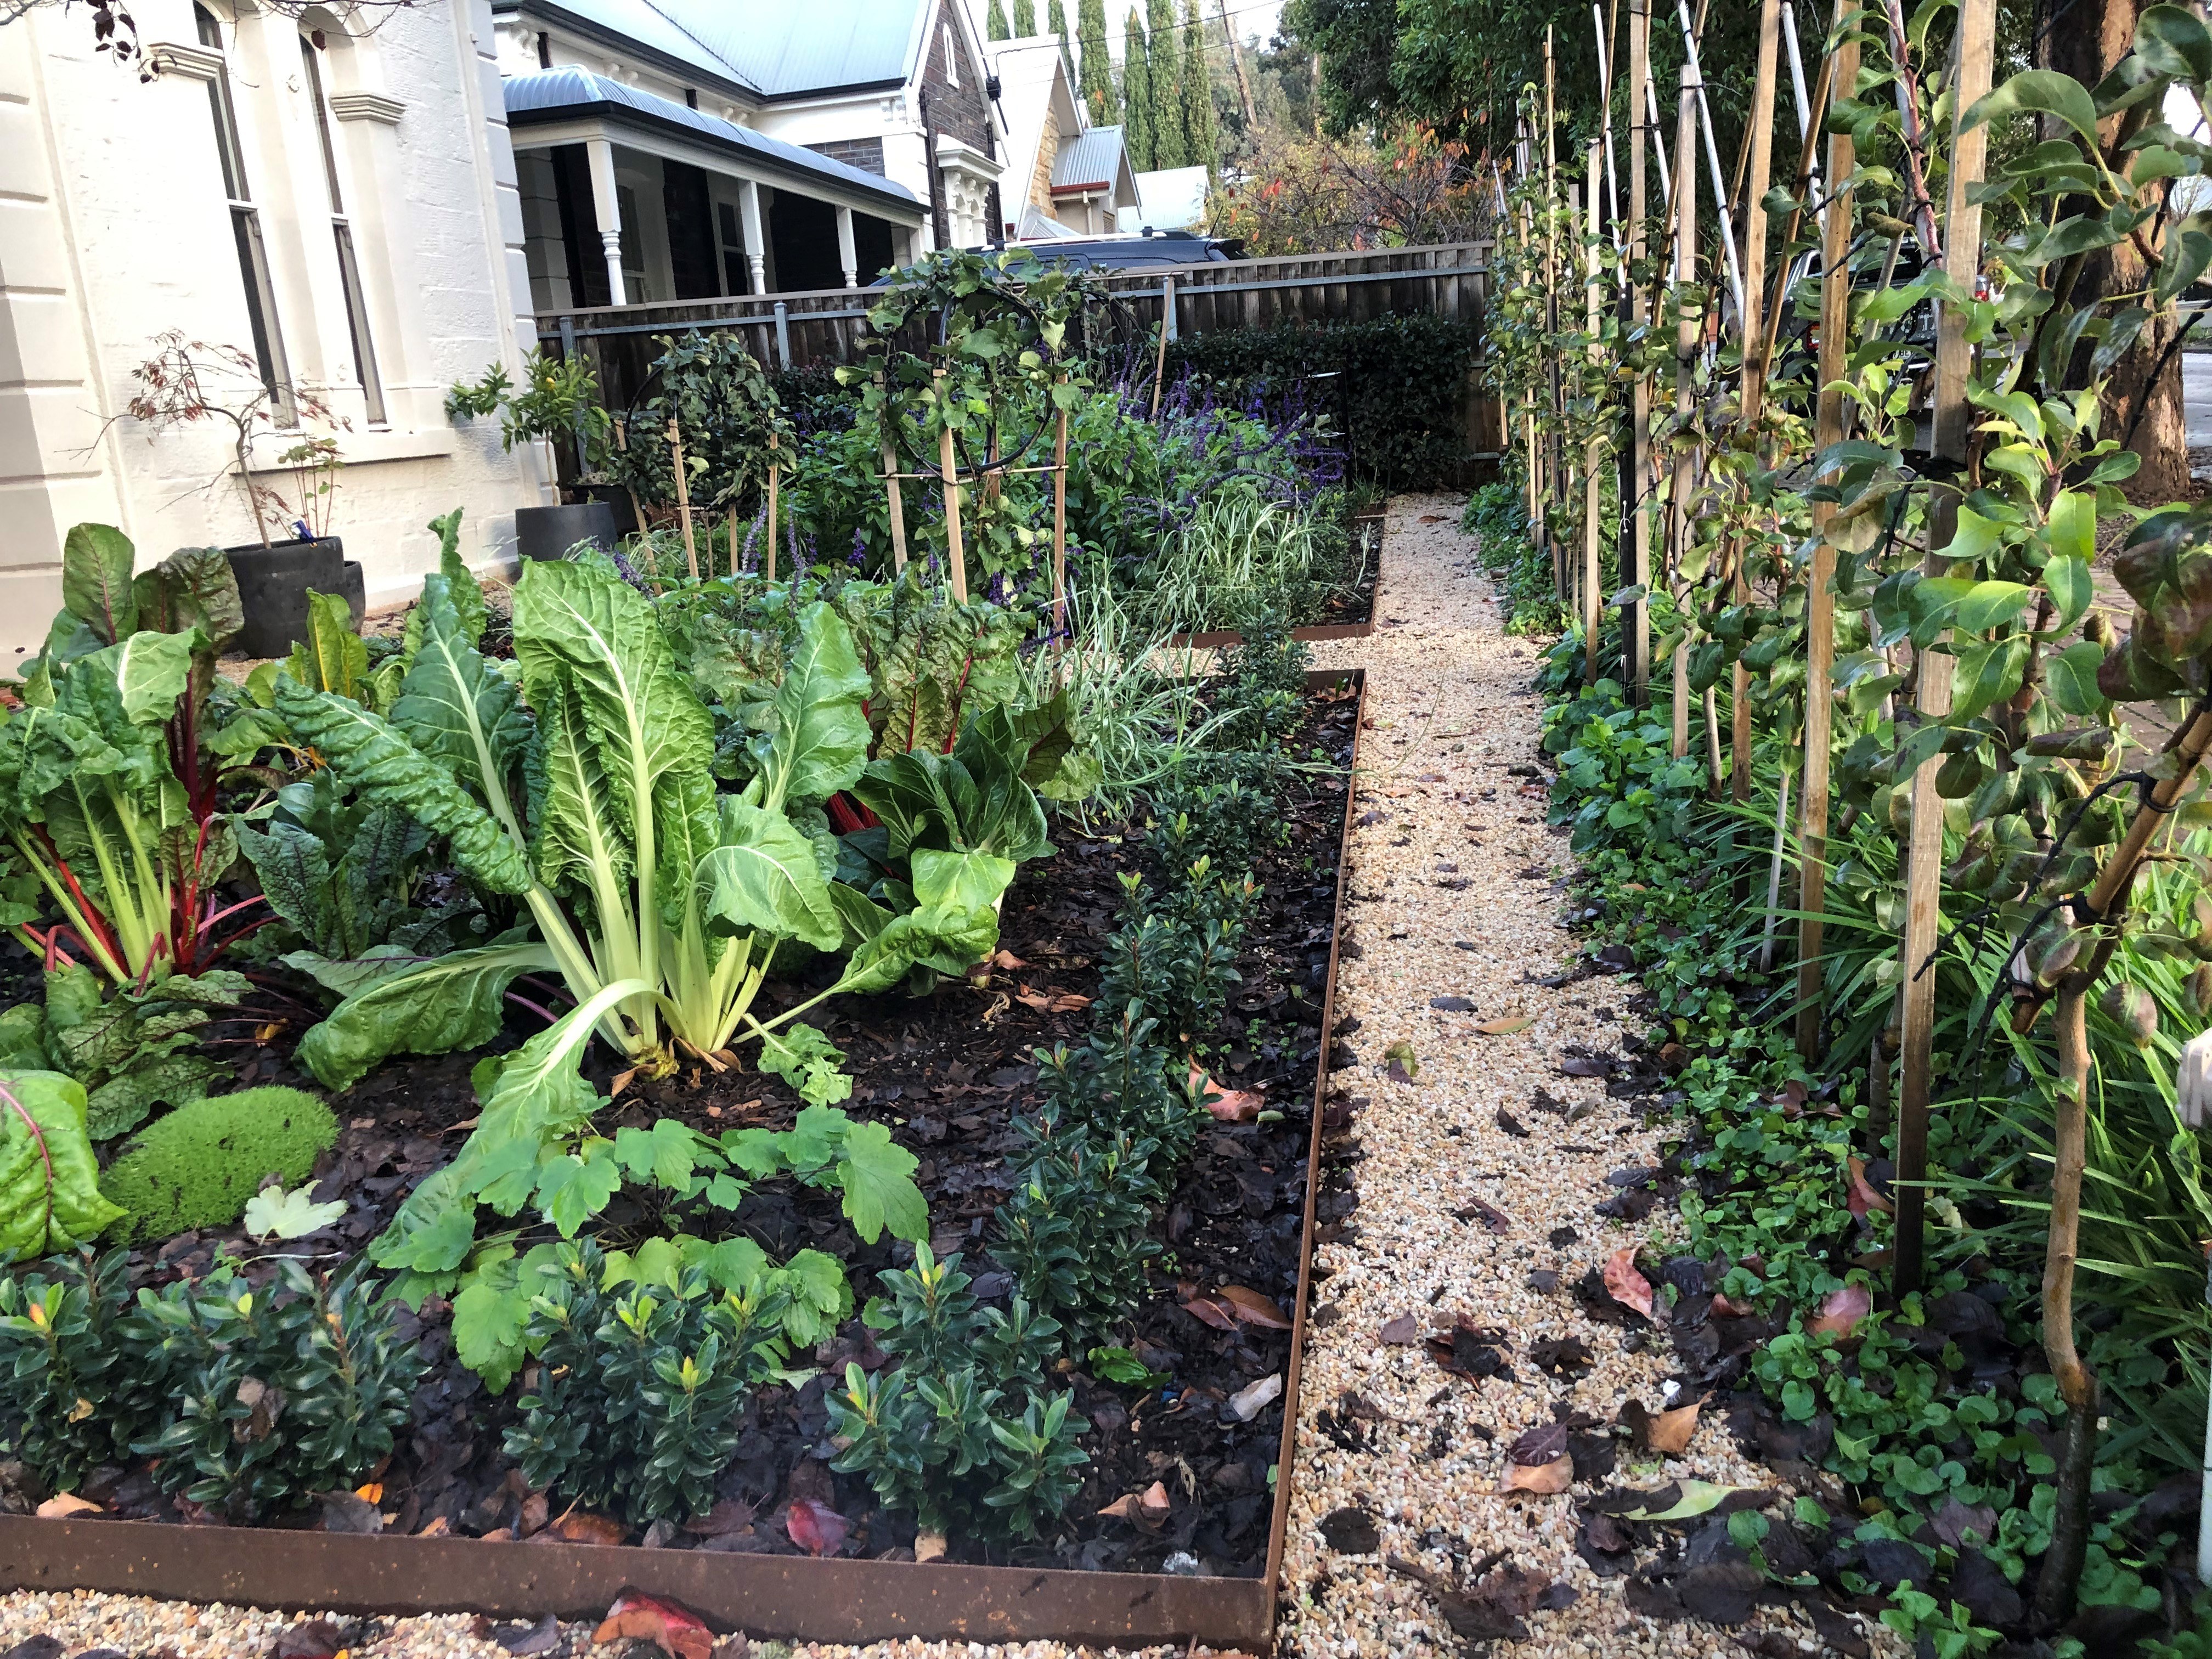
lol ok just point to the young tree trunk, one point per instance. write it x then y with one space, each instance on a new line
2086 43
2077 1384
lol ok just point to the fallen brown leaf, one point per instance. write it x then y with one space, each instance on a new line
1480 1209
1052 1002
63 1505
1006 960
1401 1331
1860 1197
581 1526
1624 1285
1253 1308
1506 1027
1841 1311
1147 1508
1669 1432
1543 1480
673 1628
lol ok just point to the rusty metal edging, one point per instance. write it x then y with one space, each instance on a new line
792 1597
1286 1454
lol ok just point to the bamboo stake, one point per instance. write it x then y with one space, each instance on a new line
1059 526
1924 858
729 535
683 497
890 482
1636 478
948 467
1595 448
775 477
1554 458
1752 399
1160 360
1819 602
1685 361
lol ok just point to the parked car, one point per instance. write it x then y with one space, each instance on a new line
1797 346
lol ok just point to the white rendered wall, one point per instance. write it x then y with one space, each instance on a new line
114 227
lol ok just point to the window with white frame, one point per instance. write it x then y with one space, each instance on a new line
246 231
356 297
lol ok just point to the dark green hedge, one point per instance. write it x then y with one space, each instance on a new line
1404 391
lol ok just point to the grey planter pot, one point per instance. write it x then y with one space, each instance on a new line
552 532
273 584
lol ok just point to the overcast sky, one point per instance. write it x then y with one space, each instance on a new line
1248 17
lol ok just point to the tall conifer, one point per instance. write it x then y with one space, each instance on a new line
1136 94
1200 143
1168 147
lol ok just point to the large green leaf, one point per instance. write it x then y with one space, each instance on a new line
49 1195
964 881
2172 41
764 878
96 560
193 587
333 657
383 769
1987 674
2039 92
460 582
580 841
2071 676
878 1178
819 740
448 1002
947 939
454 705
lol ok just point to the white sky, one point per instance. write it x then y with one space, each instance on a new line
1248 17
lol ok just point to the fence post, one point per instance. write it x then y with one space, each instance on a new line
1962 237
1555 450
1819 602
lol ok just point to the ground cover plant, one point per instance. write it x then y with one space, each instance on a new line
797 1066
1895 811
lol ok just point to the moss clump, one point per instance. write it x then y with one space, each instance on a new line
197 1166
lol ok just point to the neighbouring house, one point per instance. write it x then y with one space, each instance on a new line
338 206
1074 179
1173 199
685 149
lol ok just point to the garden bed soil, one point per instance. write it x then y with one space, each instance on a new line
946 1073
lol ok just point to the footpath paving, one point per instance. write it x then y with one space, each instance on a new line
1479 1169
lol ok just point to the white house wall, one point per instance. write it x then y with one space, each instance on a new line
114 229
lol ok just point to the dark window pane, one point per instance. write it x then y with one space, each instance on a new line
364 349
261 315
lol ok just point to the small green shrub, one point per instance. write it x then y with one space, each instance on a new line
197 1166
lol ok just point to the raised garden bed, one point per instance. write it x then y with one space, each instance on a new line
1366 528
945 1081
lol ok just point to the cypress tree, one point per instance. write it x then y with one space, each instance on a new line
1200 143
1136 94
1024 19
1166 67
994 23
1095 67
1055 22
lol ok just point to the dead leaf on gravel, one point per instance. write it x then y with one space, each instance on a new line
1841 1311
1406 1064
1051 1002
63 1505
1559 1356
669 1626
1511 1124
1506 1027
315 1638
1351 1531
1470 1349
1543 1480
1669 1433
524 1640
1480 1209
1491 1612
1624 1285
1541 1444
1402 1332
1451 1004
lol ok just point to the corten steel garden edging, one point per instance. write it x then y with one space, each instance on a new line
792 1597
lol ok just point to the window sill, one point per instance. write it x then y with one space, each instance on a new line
360 448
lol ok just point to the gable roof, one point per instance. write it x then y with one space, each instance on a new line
773 49
1097 161
561 94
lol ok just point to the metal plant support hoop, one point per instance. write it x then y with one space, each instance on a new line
787 1597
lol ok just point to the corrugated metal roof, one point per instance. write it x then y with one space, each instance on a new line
552 93
1090 162
785 49
1173 199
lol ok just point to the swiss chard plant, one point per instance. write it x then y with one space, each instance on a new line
111 830
584 787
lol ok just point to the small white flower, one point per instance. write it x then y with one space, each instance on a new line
2193 1083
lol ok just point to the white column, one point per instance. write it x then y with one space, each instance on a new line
845 257
749 206
606 211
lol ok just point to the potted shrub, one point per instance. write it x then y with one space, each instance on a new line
188 381
558 403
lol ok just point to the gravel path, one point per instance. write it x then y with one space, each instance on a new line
1453 895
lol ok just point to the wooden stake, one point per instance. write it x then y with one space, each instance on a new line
1819 602
1754 380
891 484
774 476
1160 361
1595 446
683 497
1636 477
1686 364
1059 527
1962 224
948 471
1554 467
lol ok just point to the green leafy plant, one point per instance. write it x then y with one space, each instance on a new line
133 1050
596 805
203 1163
637 1395
250 1401
1172 961
939 1438
49 1195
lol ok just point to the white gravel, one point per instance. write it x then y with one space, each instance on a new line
1450 711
